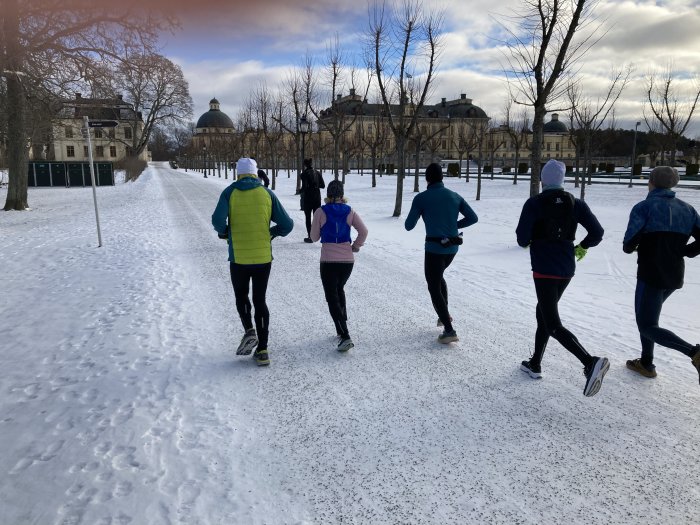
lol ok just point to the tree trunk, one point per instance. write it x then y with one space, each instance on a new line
400 172
16 125
536 150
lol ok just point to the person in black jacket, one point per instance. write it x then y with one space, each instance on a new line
263 177
548 225
659 229
311 184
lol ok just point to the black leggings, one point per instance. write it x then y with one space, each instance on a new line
259 274
647 309
549 291
334 275
309 213
434 266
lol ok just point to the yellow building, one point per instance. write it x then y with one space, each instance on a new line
109 144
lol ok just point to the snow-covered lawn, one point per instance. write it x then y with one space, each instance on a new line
122 400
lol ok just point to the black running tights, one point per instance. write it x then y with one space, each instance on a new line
434 267
334 275
549 291
241 276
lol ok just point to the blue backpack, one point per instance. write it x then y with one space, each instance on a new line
336 229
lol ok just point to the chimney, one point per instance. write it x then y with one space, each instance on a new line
463 96
78 96
352 92
120 97
339 96
444 102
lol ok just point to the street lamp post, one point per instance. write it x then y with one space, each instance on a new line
204 149
634 153
303 129
186 160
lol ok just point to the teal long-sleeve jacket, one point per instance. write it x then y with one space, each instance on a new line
440 208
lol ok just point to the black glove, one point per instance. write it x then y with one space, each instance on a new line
224 235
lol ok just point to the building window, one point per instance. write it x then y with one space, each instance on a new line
127 132
69 132
85 152
98 133
557 146
110 133
100 151
548 147
70 151
112 151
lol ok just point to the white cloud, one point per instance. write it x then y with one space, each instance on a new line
648 34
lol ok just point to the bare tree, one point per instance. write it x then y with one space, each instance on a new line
375 137
158 91
324 94
540 50
405 44
43 32
481 131
465 140
590 116
670 108
517 124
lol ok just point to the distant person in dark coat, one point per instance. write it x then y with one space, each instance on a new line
658 230
311 184
263 178
547 226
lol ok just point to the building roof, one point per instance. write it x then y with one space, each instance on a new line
555 125
98 109
354 105
214 118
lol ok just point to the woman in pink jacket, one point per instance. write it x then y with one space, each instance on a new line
331 224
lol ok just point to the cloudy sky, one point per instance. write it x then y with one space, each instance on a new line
227 48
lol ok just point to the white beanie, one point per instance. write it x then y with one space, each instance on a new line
552 173
246 166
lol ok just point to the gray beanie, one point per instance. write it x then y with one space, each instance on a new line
552 173
664 177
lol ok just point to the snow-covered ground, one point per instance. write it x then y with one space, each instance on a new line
122 400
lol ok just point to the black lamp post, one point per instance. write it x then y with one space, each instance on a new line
204 149
186 160
303 129
634 153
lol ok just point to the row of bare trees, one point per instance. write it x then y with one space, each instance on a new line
106 49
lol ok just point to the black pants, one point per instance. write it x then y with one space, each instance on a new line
549 291
334 275
434 266
647 309
241 276
309 213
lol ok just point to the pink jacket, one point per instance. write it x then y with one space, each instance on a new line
332 252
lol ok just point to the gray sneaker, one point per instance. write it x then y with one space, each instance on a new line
345 344
249 341
594 375
448 337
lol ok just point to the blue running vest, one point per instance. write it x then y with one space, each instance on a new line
336 229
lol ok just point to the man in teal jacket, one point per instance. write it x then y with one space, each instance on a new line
440 208
242 217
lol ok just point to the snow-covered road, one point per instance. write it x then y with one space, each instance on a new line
122 401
